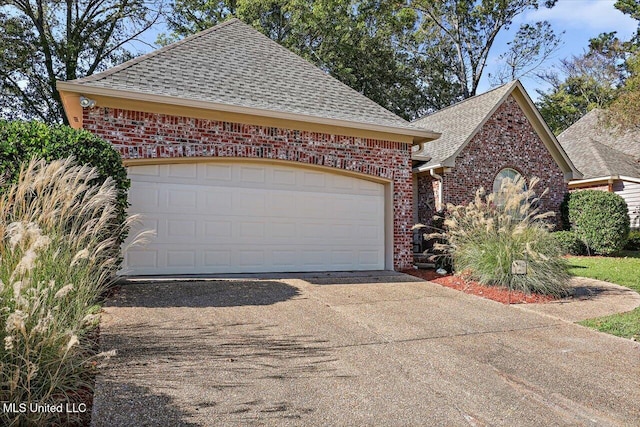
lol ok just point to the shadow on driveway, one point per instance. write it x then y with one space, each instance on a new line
202 293
129 398
204 366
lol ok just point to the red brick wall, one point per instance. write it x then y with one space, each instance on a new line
507 140
145 135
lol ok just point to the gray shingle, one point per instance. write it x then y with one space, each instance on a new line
234 64
458 123
599 151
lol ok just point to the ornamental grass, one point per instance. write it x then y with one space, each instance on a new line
56 259
487 235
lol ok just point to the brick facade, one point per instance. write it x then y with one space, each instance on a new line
138 135
506 140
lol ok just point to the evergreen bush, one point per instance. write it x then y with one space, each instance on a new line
569 243
600 220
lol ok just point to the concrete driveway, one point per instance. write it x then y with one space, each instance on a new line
352 350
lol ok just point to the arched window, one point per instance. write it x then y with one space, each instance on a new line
509 173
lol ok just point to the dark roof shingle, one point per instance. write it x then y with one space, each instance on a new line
234 64
598 151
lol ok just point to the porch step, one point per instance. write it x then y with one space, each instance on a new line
425 265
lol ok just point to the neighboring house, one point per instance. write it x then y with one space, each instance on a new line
499 134
244 157
608 159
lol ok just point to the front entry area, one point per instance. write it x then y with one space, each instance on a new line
251 217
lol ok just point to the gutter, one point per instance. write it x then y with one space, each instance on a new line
601 179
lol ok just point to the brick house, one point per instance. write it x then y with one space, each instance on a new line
244 157
484 139
609 159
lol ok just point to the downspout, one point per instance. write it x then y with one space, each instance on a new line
440 197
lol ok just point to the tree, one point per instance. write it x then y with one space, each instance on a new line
530 48
470 27
370 45
581 83
43 41
623 111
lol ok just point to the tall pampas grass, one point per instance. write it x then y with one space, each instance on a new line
58 253
485 236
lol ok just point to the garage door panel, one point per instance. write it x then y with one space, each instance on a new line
248 202
217 173
235 218
284 178
217 259
217 229
146 195
218 200
182 171
181 259
147 258
180 198
177 229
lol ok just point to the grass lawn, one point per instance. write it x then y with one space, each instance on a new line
623 270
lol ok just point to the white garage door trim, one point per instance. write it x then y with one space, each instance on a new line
232 216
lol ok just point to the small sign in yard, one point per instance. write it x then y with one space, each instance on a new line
519 267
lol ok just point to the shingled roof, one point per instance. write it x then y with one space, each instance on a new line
459 123
599 151
596 160
232 64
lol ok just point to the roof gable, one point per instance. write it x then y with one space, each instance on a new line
459 123
234 65
597 151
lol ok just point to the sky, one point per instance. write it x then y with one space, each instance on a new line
580 20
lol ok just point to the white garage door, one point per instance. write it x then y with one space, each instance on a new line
253 217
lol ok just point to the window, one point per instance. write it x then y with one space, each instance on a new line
509 173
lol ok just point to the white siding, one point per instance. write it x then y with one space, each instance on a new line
630 192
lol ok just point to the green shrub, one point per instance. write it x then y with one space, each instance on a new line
56 262
21 141
600 220
633 242
569 243
488 234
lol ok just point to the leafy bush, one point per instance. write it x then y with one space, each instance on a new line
21 141
569 243
633 242
600 220
55 264
492 231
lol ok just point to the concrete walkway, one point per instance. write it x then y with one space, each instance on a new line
593 298
375 348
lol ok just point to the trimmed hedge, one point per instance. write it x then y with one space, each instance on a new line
21 141
633 243
600 220
569 243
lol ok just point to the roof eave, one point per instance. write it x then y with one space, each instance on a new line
418 135
596 180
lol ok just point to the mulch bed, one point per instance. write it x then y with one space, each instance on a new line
494 293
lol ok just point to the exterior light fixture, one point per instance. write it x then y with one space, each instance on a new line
86 102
